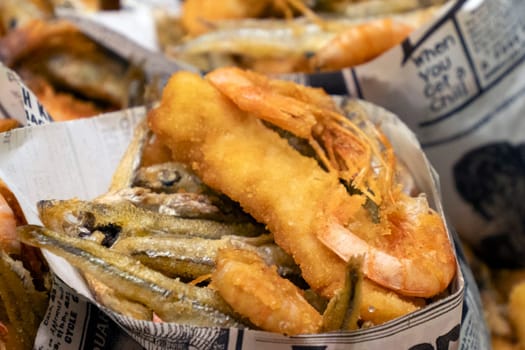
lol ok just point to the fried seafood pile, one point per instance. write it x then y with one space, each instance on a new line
251 202
284 36
24 280
71 75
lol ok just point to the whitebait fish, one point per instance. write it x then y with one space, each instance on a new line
190 258
368 8
169 298
106 296
329 36
123 219
260 38
181 204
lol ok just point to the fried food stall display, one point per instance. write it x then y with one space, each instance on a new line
240 224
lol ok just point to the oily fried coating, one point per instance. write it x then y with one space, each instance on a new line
390 223
213 153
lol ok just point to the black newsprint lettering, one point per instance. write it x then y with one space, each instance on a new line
442 342
423 346
409 48
70 330
31 117
27 97
66 300
240 336
42 112
467 52
429 54
54 322
101 334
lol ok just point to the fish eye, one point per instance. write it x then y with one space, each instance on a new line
169 178
12 23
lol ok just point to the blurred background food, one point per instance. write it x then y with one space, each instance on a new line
503 297
283 36
14 13
71 75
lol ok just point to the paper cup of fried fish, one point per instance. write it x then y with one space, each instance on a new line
246 212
